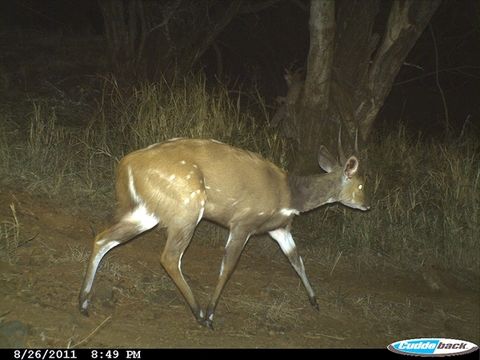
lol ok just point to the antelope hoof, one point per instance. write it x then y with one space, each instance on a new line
314 303
208 320
208 324
84 308
205 322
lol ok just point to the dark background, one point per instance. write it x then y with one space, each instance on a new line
258 47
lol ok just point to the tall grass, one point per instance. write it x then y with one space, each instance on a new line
425 195
78 163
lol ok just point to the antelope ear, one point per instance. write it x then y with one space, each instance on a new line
325 159
351 167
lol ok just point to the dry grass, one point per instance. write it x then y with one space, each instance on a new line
425 196
10 236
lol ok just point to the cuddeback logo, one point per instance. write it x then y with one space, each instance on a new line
432 347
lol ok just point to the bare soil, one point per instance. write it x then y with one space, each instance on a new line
264 305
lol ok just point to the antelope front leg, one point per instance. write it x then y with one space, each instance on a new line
285 240
233 249
177 242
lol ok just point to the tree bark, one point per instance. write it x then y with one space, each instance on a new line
316 91
349 70
406 23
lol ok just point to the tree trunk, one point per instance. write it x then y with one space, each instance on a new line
315 101
350 71
406 23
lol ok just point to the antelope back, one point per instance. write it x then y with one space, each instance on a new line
230 184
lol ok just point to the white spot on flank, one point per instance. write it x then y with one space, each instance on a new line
195 166
216 141
235 202
207 187
193 194
360 187
284 239
288 212
186 201
261 213
188 177
142 218
172 177
183 162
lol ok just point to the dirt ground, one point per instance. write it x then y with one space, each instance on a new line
264 305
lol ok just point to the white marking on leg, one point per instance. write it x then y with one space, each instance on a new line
95 262
180 266
85 304
200 214
221 268
288 212
284 239
142 218
228 240
131 187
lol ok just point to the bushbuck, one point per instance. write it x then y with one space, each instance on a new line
181 181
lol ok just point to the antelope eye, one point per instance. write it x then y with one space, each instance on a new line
360 187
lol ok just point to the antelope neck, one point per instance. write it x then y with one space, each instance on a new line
310 192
